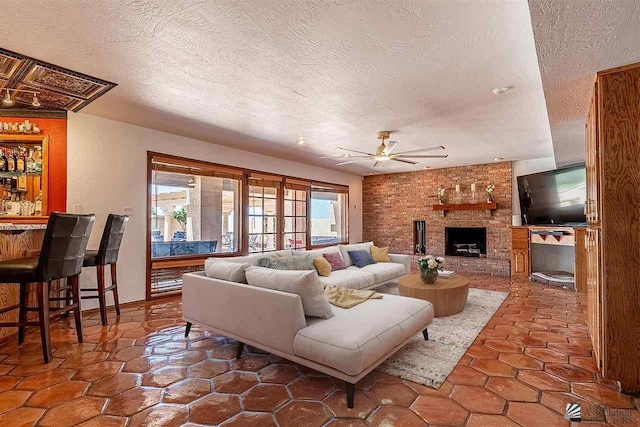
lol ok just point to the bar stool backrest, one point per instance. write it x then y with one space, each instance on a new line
111 239
65 242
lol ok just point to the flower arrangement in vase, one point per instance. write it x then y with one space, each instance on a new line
489 191
429 266
441 195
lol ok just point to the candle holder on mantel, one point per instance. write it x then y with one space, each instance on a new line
473 193
458 194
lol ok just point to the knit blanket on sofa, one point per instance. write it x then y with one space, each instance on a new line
346 298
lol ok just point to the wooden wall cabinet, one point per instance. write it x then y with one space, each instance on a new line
520 263
612 135
523 237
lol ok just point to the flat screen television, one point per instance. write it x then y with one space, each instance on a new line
553 197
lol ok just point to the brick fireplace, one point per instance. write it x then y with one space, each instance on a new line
465 241
391 204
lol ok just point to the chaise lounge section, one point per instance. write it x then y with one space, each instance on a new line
348 345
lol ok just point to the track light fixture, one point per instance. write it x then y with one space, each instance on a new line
8 102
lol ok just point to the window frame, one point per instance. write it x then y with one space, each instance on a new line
324 188
264 218
244 176
295 216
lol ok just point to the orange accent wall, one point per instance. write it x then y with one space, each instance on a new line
56 130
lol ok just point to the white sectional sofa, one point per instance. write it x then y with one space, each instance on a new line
348 345
352 277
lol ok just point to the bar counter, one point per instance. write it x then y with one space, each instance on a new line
7 226
17 240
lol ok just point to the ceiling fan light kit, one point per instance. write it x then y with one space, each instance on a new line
384 152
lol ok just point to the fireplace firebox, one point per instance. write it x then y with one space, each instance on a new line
466 241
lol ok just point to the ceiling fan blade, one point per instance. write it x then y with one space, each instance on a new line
354 151
342 156
404 156
376 164
351 161
404 161
391 145
437 147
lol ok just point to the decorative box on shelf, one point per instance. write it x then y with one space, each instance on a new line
466 207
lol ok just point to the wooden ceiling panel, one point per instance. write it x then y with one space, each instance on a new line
47 79
58 88
8 65
50 100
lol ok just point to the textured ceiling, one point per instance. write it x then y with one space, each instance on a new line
574 40
259 74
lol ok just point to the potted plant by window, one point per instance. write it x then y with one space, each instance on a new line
429 267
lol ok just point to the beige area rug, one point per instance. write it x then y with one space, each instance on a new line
430 362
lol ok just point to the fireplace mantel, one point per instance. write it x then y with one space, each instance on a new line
466 207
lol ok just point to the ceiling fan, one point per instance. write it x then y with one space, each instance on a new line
384 152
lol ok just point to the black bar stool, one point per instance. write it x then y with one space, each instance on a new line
65 241
107 254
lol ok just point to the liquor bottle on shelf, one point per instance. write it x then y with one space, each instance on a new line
22 183
14 186
38 160
3 161
31 162
38 204
21 160
11 162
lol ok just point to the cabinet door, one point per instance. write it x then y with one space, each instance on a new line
520 262
591 161
594 305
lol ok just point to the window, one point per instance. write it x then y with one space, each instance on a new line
198 209
328 217
263 218
295 219
194 213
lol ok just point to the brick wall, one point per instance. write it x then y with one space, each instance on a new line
392 202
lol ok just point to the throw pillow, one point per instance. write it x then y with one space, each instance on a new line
336 261
344 250
225 270
287 263
303 283
380 254
322 265
361 258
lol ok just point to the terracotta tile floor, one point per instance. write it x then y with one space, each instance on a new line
533 357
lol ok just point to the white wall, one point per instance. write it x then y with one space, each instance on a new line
107 170
526 167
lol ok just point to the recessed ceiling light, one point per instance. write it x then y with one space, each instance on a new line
500 90
426 167
346 155
300 141
498 159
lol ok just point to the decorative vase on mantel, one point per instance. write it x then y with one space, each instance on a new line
489 190
429 276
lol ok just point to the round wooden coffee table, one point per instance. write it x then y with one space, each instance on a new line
448 296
